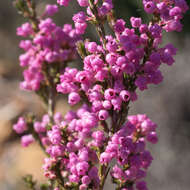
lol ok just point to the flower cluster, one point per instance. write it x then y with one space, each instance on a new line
126 62
51 47
127 146
170 12
72 144
105 8
82 144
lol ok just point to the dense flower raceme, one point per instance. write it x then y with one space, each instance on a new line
133 60
123 62
72 143
82 144
52 46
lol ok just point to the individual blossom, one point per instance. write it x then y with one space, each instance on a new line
20 126
51 9
26 140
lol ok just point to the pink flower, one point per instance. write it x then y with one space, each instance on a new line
26 140
51 9
20 126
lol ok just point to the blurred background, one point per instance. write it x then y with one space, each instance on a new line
167 104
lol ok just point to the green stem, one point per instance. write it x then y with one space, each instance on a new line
98 23
105 170
32 14
51 103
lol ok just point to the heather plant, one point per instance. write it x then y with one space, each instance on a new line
98 139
